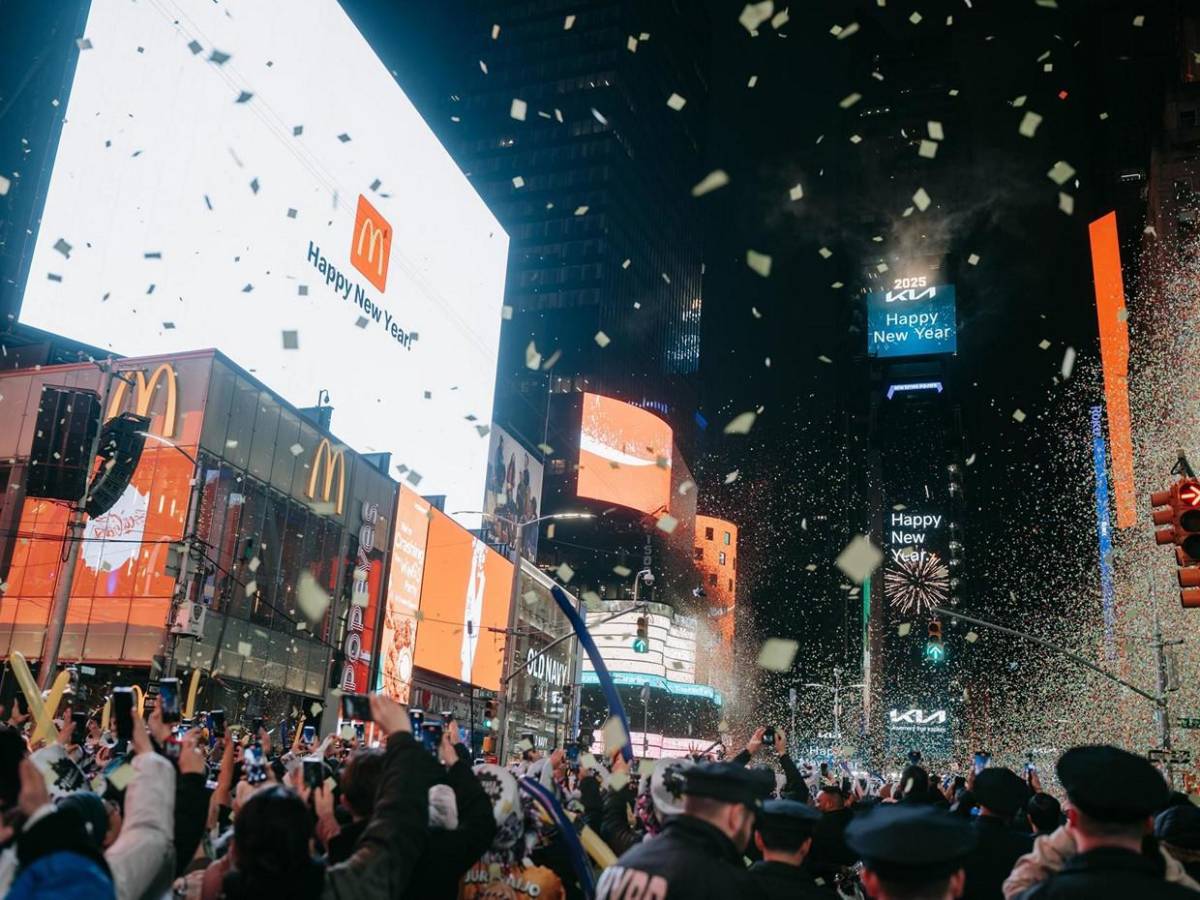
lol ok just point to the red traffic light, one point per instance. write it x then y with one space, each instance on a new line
1179 511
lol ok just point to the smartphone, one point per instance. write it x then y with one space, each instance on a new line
573 753
218 722
256 725
981 761
431 736
314 772
769 735
79 722
310 734
356 707
122 698
447 717
168 699
359 730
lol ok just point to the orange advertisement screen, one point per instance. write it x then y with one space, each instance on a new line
1114 359
464 594
624 455
400 622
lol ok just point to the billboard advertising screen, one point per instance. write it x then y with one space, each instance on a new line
624 455
400 620
464 594
914 318
258 183
513 493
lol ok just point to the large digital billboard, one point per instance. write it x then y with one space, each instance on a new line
400 620
464 606
913 318
513 495
624 455
256 181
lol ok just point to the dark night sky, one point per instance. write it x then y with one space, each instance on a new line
1031 484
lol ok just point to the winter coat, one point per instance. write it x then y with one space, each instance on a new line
996 852
1109 872
142 858
1050 854
58 860
191 816
779 880
689 858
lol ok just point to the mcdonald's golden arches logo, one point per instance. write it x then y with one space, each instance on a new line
334 461
371 244
144 390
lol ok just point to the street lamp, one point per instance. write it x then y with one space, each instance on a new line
514 557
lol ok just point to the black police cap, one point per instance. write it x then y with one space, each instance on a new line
1000 790
728 782
1111 785
910 844
787 816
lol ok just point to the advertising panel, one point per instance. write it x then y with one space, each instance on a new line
365 590
624 455
1114 360
513 492
202 196
464 605
671 654
914 318
400 620
1104 533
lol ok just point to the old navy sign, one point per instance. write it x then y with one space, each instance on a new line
911 321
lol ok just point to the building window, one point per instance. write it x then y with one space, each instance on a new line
731 584
1187 118
721 557
699 553
728 538
558 466
712 579
708 534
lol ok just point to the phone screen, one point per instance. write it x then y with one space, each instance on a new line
123 712
168 698
79 722
981 761
313 773
572 753
356 707
431 736
310 733
218 722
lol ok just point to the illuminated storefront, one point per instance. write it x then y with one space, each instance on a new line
278 498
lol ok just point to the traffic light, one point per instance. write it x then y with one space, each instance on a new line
641 643
1181 513
935 649
489 713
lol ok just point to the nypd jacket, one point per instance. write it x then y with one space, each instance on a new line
688 859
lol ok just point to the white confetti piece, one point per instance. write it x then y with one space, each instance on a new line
752 82
849 100
484 69
244 648
972 637
631 44
518 109
296 449
565 573
1044 344
676 102
1019 101
759 262
859 559
935 130
903 629
849 30
686 487
777 654
1139 21
1066 203
971 460
311 599
921 199
533 359
742 423
754 14
856 138
733 476
825 252
927 149
825 359
1019 415
568 23
1029 124
5 184
1061 172
973 259
915 18
715 179
518 181
495 32
1068 363
795 192
602 339
667 524
614 735
251 588
581 210
780 19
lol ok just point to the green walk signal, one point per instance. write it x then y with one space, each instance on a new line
935 652
641 645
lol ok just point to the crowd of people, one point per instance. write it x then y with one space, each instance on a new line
146 809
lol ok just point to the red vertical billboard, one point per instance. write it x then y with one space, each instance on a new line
397 646
624 455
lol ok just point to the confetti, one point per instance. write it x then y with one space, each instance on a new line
921 199
927 149
795 192
296 449
742 423
631 44
1066 203
780 19
244 648
935 131
859 559
825 252
533 359
973 259
5 184
915 18
1139 21
518 181
568 23
777 654
244 97
614 735
63 247
759 262
1061 172
602 339
291 340
667 523
849 100
972 637
849 30
715 179
904 629
1029 124
565 573
581 210
676 102
752 82
754 14
1068 363
733 476
518 109
1019 415
495 32
1044 344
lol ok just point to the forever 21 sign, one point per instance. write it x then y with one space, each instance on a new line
356 672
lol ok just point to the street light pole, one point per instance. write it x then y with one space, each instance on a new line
69 558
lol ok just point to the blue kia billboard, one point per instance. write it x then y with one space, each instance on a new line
911 319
